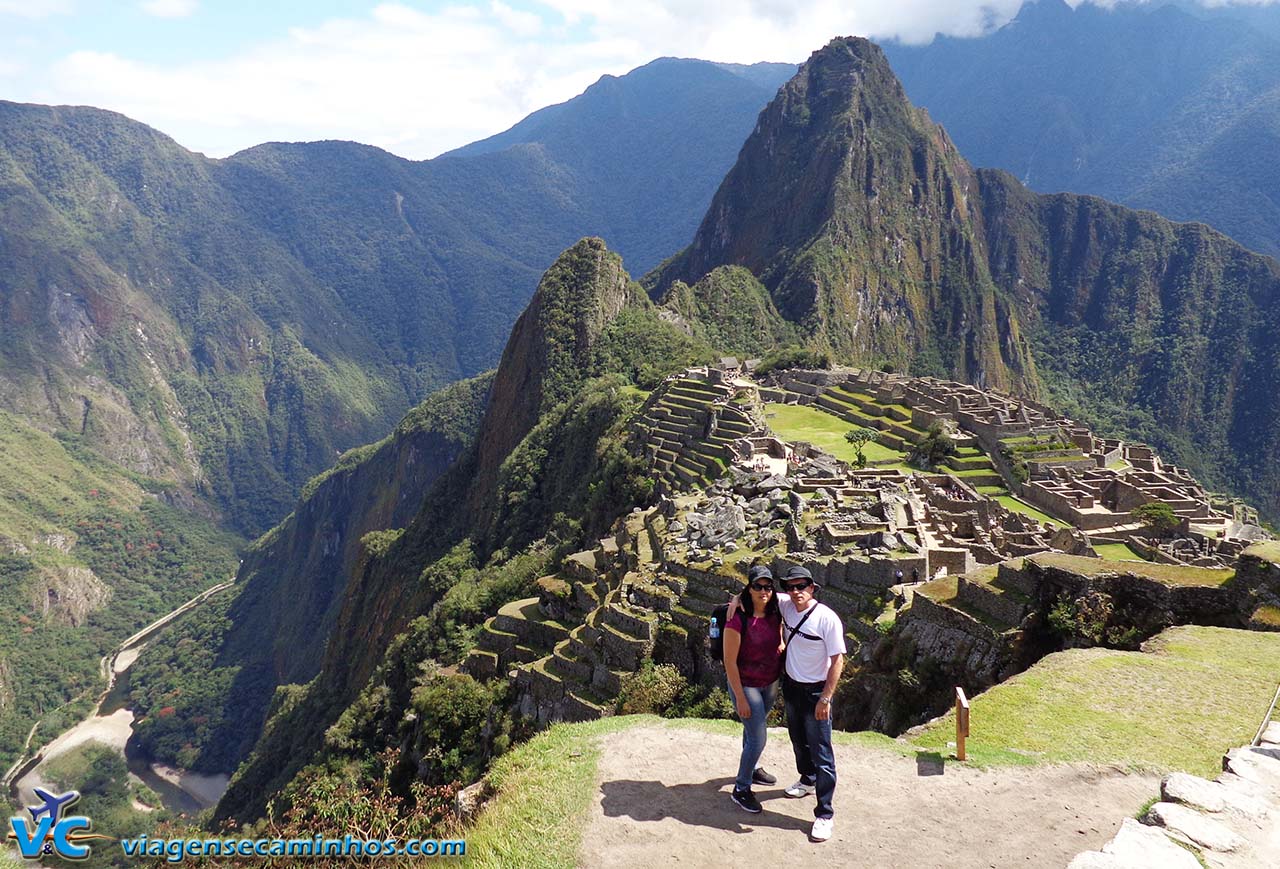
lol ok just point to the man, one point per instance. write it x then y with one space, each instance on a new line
815 659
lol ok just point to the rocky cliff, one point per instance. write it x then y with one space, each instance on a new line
295 578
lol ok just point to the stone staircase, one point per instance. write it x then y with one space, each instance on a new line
594 622
1232 822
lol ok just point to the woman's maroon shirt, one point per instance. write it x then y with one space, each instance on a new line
759 663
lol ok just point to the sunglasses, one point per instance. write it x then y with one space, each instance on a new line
798 586
761 586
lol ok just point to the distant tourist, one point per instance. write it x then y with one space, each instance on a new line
753 663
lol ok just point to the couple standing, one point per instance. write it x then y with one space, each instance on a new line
802 641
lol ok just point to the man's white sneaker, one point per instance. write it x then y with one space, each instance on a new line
800 789
821 831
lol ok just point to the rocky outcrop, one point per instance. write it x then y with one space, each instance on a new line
67 595
1229 822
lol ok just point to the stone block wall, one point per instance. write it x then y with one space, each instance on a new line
955 560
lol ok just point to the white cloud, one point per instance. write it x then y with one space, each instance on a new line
170 8
420 82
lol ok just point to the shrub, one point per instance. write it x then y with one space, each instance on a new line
651 689
698 701
935 446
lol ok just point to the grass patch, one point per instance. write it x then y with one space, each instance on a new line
1116 552
940 590
544 789
1169 574
794 422
1267 615
1011 503
1198 692
1268 550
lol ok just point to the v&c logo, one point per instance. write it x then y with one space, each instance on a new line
48 833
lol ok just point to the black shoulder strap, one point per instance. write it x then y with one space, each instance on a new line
800 623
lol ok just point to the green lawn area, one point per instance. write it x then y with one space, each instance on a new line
1116 552
1011 503
793 422
1169 574
1268 550
1202 691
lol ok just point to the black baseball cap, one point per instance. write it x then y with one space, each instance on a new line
759 571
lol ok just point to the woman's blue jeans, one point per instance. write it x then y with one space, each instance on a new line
755 730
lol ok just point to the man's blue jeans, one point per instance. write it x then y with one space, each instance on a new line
755 731
811 741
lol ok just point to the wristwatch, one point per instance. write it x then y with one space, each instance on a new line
826 700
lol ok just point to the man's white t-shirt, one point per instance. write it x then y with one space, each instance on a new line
809 651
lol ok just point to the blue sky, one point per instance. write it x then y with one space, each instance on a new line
416 78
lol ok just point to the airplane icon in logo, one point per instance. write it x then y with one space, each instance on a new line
53 806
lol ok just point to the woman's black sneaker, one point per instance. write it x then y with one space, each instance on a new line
746 801
760 777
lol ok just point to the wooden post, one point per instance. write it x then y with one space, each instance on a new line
962 722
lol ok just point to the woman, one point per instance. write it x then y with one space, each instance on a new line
753 662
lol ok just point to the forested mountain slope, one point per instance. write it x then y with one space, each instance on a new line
230 326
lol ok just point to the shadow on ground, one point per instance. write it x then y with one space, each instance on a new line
705 804
930 763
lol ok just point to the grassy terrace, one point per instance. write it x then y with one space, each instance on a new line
1269 550
793 422
1011 503
1116 552
1198 692
1169 574
1267 615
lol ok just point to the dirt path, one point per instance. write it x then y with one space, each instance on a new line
664 799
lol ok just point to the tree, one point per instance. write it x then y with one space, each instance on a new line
859 437
935 446
1158 517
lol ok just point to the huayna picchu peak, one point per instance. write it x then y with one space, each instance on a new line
864 223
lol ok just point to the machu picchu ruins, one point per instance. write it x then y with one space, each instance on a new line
969 570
